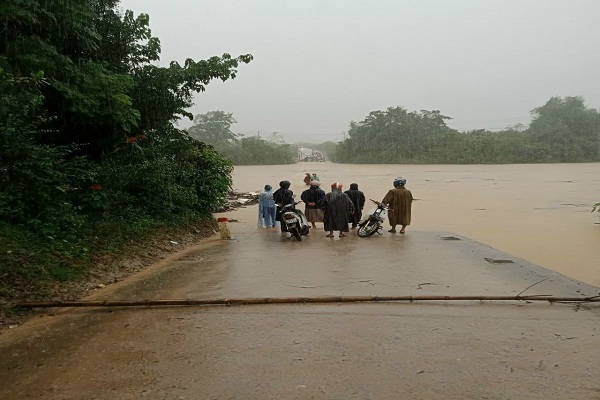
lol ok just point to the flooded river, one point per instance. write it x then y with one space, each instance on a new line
538 212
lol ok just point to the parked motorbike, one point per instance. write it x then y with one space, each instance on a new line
373 221
295 221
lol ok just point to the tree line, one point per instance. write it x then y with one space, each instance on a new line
214 128
89 154
562 130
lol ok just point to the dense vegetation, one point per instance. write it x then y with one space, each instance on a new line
89 155
562 130
215 128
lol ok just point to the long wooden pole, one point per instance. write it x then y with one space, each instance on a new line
290 300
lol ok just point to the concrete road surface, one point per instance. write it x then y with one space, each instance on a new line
441 350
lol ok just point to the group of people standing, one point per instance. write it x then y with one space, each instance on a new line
337 210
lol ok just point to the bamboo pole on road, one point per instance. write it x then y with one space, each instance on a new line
307 300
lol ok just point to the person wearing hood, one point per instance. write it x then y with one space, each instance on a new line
266 208
313 198
399 199
283 196
338 208
358 200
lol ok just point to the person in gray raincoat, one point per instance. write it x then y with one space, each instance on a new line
338 209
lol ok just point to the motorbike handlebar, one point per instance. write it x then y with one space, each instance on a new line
291 204
379 204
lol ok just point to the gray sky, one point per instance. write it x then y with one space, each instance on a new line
319 64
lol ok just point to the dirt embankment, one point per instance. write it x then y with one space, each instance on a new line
113 267
133 257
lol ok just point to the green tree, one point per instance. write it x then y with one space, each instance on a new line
568 129
88 147
254 150
213 127
102 85
328 149
563 130
276 138
87 103
393 136
95 86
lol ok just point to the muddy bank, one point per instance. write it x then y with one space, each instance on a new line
137 255
113 267
110 268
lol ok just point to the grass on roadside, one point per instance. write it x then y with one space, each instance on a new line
42 268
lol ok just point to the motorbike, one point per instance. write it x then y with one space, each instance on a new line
295 221
374 220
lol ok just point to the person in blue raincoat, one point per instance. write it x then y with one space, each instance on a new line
266 208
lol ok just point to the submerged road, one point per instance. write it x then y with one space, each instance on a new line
332 351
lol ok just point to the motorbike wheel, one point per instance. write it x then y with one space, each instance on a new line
296 234
367 228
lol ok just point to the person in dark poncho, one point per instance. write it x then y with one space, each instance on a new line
358 200
338 208
313 198
282 197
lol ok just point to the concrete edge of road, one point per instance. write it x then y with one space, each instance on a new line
515 268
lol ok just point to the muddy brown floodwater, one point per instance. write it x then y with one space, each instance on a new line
539 212
503 221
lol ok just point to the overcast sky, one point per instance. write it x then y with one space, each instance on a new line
319 64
